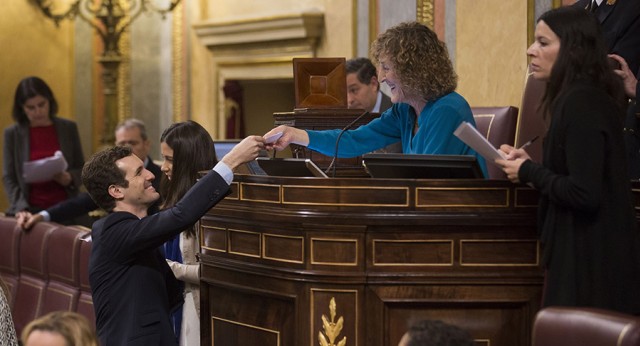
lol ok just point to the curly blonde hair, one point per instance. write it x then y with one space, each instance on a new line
419 59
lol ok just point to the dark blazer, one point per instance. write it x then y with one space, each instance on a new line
16 152
82 203
621 28
132 286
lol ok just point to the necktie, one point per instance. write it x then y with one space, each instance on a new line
593 6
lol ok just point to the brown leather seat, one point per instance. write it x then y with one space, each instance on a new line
9 259
530 121
498 125
85 303
562 326
34 248
63 259
46 269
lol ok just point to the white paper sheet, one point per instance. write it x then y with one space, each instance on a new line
42 170
470 136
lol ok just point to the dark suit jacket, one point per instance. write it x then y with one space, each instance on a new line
621 28
16 152
133 288
82 203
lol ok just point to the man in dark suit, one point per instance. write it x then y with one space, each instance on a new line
363 92
131 132
132 286
620 21
363 88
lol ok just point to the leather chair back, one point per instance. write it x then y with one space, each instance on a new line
34 249
63 259
498 125
9 259
85 303
563 326
531 121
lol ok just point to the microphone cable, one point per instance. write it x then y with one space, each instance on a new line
335 153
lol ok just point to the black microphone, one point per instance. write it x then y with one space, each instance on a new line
335 153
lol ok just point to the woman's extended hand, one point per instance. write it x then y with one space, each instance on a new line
289 135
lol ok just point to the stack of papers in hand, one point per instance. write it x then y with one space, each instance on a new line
42 170
471 137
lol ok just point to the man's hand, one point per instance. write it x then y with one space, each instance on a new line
244 151
628 79
26 220
63 178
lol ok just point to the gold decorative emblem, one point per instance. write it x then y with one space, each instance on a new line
611 2
331 328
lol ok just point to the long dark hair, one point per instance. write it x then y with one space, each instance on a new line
28 88
582 56
193 151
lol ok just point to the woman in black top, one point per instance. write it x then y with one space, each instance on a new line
591 248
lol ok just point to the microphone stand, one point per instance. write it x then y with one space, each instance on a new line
335 153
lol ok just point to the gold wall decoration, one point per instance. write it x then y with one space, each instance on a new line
110 19
331 328
424 13
124 82
178 64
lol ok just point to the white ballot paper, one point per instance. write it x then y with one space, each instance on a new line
42 170
470 135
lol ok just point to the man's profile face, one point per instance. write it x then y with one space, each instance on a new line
359 95
132 138
140 191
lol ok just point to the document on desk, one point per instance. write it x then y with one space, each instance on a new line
38 171
470 136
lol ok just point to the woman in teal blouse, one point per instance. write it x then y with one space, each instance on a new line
416 67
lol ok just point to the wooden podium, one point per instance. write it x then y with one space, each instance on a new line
290 261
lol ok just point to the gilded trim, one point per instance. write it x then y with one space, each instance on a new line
312 311
404 189
479 342
237 188
214 318
531 18
230 231
243 198
373 21
354 27
335 240
399 264
537 244
178 62
504 205
124 76
264 248
202 246
491 116
425 13
515 203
